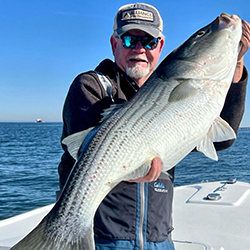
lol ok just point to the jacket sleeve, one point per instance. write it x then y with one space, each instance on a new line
234 107
82 109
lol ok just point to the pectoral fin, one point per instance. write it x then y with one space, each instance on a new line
182 91
218 132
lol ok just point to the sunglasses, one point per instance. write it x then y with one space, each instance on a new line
147 42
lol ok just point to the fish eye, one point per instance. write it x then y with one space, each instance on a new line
200 33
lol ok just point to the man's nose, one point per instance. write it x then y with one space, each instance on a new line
139 47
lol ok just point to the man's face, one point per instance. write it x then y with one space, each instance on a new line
138 62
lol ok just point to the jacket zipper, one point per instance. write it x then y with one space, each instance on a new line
142 214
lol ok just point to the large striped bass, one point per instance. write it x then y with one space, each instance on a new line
175 111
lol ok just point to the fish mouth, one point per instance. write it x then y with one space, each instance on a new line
228 21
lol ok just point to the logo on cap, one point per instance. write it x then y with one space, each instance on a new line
138 14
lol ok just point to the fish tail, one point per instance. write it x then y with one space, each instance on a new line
34 240
41 239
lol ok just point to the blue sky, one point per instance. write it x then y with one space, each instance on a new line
46 43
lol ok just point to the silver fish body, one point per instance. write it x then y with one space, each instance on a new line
176 110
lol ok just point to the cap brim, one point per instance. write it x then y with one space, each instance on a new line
148 29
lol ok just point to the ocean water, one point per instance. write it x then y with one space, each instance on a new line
30 154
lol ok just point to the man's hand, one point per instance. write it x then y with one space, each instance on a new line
245 39
153 173
245 42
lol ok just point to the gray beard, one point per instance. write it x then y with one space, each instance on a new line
137 71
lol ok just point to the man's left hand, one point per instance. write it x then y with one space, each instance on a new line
153 173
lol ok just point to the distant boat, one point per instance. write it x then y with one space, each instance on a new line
39 120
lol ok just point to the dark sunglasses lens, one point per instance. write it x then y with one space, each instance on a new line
128 42
150 42
147 42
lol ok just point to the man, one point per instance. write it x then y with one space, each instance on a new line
134 215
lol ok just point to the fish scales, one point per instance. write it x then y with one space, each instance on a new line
176 110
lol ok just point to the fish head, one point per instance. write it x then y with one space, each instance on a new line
211 52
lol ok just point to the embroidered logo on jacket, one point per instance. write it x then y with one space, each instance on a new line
159 187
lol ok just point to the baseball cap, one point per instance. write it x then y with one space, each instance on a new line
139 16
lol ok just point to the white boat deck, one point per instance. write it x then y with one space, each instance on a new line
15 228
221 224
200 223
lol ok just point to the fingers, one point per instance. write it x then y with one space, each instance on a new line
155 169
245 39
245 42
153 173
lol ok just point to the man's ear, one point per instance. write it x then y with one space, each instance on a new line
113 43
162 41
